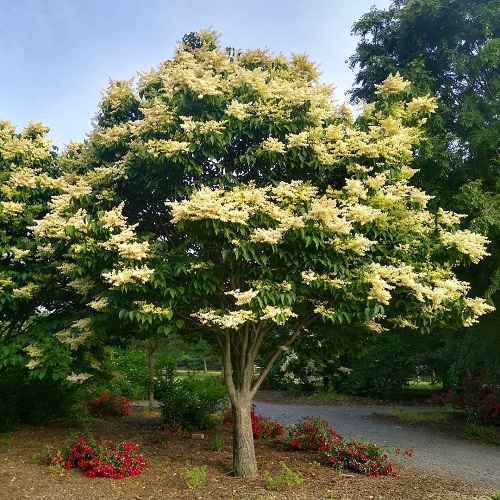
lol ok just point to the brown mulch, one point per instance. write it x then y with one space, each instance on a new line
168 461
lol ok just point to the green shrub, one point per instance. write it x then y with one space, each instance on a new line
25 400
190 401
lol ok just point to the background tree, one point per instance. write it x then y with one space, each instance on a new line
451 49
29 176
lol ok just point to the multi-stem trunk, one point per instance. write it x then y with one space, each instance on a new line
239 351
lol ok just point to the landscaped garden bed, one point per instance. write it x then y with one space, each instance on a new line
175 468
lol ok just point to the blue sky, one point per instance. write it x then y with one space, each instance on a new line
57 55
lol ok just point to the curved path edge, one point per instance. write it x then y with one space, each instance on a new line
433 451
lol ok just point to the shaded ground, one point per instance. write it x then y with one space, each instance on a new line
164 478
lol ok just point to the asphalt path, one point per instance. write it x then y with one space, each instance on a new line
433 451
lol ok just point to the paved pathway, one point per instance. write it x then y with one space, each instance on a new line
432 451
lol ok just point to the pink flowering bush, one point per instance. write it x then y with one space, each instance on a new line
316 434
479 398
108 404
98 458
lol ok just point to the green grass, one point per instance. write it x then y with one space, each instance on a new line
412 417
486 434
425 385
199 373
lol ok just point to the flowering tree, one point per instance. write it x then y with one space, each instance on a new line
228 194
29 176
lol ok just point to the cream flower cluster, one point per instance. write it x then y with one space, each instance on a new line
113 219
118 277
147 308
76 335
98 304
26 292
82 285
446 218
243 298
392 85
78 378
232 320
168 148
11 207
467 243
336 212
477 306
434 289
19 254
35 353
277 314
25 177
31 143
310 276
279 86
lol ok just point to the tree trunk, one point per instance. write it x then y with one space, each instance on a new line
205 368
151 378
244 461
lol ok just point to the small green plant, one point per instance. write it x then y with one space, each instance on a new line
476 430
486 434
495 496
315 465
4 440
196 477
287 476
218 443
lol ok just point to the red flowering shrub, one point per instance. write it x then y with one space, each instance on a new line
98 458
479 398
262 427
362 458
109 404
313 433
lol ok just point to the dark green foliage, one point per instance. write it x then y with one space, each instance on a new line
383 370
468 352
130 372
190 402
449 48
31 401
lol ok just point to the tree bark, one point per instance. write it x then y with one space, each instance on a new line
151 377
244 460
